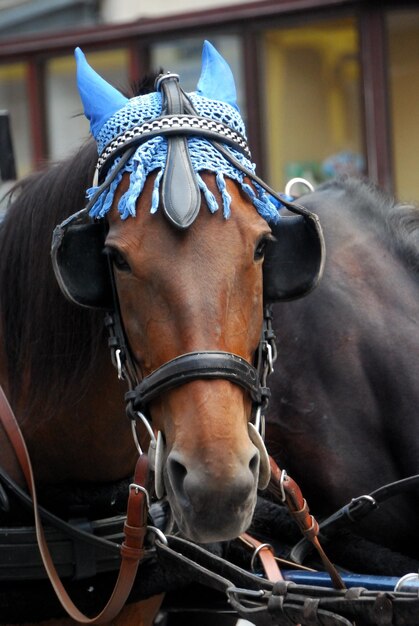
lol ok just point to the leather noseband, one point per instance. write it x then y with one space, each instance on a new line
198 365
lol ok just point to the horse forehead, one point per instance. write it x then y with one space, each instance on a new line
151 231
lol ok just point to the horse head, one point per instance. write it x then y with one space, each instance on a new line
185 225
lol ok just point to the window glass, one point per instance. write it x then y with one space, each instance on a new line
403 33
313 120
184 58
67 127
13 98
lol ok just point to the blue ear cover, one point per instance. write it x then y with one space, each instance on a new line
216 81
100 100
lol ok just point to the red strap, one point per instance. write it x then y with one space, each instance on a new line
266 556
135 528
286 489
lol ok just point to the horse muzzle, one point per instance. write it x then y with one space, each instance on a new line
211 501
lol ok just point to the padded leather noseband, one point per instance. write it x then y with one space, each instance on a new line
198 365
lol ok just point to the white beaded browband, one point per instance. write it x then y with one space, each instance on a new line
172 125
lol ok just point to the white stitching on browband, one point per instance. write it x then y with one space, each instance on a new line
181 122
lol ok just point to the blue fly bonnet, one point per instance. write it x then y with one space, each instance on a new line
176 136
114 119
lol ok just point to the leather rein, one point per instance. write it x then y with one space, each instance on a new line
182 369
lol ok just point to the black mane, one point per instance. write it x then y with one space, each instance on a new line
145 85
41 330
397 223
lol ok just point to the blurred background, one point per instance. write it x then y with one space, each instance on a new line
325 86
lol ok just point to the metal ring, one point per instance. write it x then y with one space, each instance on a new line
258 418
159 534
403 579
281 484
256 552
147 424
118 360
143 490
290 184
135 437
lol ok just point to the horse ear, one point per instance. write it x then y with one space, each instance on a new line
294 261
100 100
216 81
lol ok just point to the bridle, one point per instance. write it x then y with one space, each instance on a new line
186 367
178 121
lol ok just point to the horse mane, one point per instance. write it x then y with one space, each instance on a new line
51 345
397 223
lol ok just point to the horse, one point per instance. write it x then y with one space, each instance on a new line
343 418
170 253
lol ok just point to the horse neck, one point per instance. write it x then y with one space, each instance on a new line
348 366
85 439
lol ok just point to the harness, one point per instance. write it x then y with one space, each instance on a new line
251 596
181 200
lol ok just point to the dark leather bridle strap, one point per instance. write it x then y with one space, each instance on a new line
197 365
357 509
135 527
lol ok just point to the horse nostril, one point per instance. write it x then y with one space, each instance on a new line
254 464
177 473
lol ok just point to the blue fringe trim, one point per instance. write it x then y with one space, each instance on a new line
128 201
267 206
155 198
263 205
221 184
104 202
208 195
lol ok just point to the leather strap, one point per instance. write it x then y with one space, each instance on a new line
265 553
287 490
353 512
193 366
135 527
180 191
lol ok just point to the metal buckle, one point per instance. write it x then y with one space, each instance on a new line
163 77
359 506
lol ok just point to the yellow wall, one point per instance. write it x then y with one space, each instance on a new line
312 98
14 99
404 86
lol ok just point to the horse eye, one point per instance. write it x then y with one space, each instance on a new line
260 249
118 260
